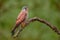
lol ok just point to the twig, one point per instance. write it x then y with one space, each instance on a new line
42 21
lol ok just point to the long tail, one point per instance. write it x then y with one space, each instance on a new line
13 30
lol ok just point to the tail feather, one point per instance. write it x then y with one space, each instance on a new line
13 31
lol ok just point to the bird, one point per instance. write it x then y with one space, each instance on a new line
22 17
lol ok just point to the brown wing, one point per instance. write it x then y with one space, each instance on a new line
21 17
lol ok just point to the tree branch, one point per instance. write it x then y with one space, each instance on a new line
45 22
42 21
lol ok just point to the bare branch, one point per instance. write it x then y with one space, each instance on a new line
45 22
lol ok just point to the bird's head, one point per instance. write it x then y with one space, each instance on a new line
25 8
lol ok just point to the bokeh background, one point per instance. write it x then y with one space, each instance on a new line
45 9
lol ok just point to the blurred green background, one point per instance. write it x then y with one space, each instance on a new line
45 9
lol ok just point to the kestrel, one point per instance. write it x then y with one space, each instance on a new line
23 15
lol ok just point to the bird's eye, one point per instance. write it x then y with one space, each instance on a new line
25 8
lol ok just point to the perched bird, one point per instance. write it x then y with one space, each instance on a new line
23 15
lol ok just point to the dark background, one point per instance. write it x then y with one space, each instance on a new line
45 9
